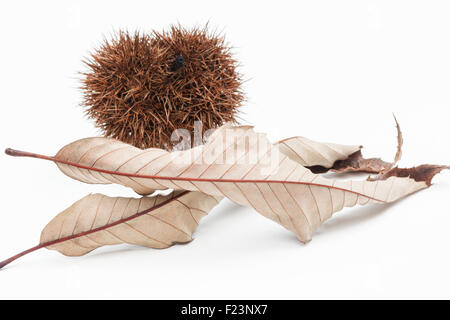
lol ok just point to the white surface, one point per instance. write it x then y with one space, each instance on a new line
329 70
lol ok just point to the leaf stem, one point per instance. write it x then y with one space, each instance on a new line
8 261
19 153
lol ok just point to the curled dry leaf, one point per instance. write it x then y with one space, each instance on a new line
424 173
97 220
356 163
323 157
311 153
236 163
343 160
167 214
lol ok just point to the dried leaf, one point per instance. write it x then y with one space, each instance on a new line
97 220
312 153
236 163
354 162
424 173
75 243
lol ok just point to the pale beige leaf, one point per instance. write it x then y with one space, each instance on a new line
236 163
97 220
312 153
97 215
94 151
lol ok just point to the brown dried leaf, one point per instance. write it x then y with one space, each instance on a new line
97 220
90 210
355 162
236 163
422 173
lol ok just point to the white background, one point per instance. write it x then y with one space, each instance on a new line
329 70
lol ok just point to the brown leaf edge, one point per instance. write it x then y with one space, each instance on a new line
422 173
357 163
81 234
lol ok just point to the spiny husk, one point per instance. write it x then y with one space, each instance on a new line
139 88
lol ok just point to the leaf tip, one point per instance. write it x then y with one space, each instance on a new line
398 154
423 173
